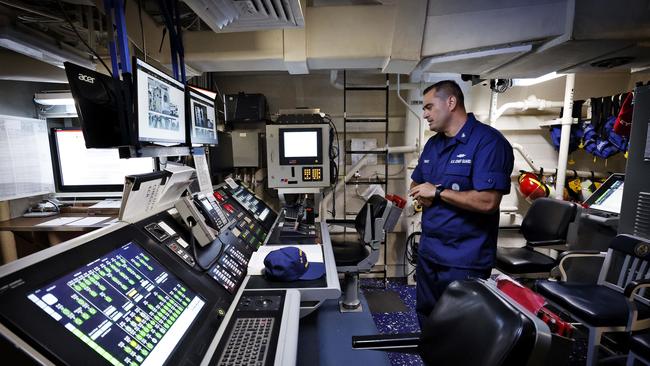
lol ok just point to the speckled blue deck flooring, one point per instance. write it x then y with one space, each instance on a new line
398 322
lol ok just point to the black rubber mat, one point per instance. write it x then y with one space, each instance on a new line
385 302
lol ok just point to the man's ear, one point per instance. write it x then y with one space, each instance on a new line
452 101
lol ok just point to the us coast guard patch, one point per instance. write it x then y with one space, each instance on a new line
641 249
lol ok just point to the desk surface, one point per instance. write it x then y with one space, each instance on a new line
30 223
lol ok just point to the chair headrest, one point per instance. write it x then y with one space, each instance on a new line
472 325
548 219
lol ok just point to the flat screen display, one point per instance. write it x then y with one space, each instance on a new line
124 305
160 105
609 197
83 169
202 118
300 146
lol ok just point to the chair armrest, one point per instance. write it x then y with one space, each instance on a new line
542 243
634 286
404 343
576 254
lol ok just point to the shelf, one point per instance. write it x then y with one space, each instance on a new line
373 152
358 120
360 88
366 182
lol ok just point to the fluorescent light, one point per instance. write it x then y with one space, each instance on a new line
533 81
40 49
54 98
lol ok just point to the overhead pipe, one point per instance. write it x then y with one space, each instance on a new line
530 102
567 121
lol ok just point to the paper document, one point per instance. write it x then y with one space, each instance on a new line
60 221
87 221
203 174
314 253
107 204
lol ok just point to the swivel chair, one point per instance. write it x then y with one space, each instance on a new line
377 216
545 226
618 302
473 323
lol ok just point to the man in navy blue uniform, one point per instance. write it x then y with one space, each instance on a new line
463 172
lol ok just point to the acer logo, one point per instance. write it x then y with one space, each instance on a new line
86 78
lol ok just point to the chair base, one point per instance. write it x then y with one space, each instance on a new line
350 302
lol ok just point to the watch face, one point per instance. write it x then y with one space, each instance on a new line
455 187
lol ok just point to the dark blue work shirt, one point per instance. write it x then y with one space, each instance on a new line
477 158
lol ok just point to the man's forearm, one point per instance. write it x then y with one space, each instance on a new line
482 202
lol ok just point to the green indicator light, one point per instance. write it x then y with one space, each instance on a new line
78 321
85 316
127 349
108 299
93 293
92 311
144 352
77 288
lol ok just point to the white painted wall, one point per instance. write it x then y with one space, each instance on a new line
314 90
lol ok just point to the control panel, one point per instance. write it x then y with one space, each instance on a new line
228 255
298 155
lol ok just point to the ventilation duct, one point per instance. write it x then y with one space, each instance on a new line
224 16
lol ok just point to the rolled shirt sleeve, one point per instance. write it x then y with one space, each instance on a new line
493 164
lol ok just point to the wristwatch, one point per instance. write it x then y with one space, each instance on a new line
439 190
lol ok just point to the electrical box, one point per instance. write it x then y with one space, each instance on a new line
245 148
298 155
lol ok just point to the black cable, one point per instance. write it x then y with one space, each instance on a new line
67 18
411 252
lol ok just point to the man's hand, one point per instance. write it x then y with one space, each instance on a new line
425 202
424 190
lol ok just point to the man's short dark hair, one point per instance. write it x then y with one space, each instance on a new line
446 88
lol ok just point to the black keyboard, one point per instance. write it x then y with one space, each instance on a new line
248 342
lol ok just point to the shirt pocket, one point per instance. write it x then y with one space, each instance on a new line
458 177
428 173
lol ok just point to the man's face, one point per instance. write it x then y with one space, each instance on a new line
437 111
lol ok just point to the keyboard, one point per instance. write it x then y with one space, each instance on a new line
248 342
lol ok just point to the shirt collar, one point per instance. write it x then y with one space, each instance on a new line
466 131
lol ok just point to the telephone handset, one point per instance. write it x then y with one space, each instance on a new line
212 212
198 220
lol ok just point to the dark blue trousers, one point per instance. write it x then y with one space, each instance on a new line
432 280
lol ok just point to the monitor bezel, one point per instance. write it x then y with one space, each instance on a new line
41 273
191 92
165 76
58 177
616 177
301 160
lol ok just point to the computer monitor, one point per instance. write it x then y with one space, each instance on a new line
609 196
120 306
159 104
102 105
79 169
300 146
202 128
